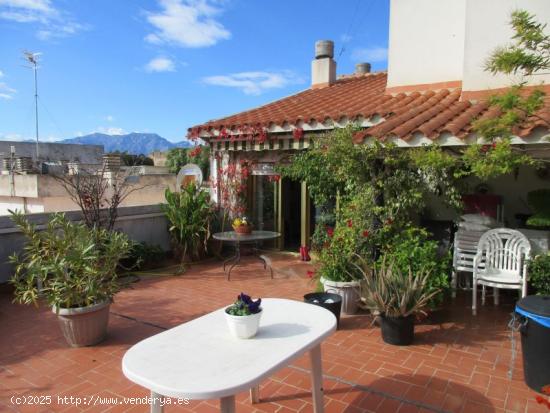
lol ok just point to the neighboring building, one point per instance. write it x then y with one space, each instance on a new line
159 158
28 185
434 89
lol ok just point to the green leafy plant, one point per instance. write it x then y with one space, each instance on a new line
244 305
528 54
175 159
189 213
411 249
539 274
539 202
393 293
143 255
75 266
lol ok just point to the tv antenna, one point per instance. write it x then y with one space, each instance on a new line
33 58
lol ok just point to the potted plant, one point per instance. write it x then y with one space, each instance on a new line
189 213
242 225
397 297
337 272
73 268
243 316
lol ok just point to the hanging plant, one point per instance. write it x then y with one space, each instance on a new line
262 135
298 133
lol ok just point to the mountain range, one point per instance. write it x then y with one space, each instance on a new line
133 143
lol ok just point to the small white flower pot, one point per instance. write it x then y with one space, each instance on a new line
243 326
348 290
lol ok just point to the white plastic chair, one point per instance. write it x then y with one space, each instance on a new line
500 262
464 251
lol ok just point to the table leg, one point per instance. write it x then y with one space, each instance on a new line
227 404
156 405
237 259
316 379
255 394
227 261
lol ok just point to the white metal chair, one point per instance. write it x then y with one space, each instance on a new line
500 262
464 251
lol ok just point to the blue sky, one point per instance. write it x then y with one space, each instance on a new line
165 65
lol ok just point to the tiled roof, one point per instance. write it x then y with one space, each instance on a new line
350 96
433 113
428 113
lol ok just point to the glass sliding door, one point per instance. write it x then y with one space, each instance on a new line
265 208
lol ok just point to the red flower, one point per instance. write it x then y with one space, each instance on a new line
546 389
366 233
350 223
195 151
540 399
310 274
262 136
494 145
330 231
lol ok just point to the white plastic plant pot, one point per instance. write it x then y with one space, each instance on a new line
243 326
348 290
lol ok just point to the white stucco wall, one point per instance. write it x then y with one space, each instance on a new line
426 42
434 41
487 27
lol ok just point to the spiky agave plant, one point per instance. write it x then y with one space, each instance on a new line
392 293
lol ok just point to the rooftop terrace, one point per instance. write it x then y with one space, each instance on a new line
458 363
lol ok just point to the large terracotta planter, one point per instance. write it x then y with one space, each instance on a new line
348 290
84 326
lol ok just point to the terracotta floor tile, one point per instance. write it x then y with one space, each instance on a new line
458 364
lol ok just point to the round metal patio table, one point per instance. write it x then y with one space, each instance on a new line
253 238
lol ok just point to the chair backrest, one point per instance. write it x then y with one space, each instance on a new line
465 249
504 249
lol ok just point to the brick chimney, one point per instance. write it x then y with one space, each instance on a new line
323 67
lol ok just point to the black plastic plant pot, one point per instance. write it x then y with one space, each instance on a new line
398 331
334 304
535 340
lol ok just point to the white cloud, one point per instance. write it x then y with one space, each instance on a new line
160 64
111 130
6 92
110 118
345 38
53 23
65 29
370 54
1 74
13 137
186 23
254 83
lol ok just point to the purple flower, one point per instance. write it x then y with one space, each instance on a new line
254 306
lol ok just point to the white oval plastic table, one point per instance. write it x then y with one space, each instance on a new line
200 359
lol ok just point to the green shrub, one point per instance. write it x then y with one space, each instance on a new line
412 248
74 265
539 274
539 202
189 213
143 255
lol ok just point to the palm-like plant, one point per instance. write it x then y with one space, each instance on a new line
189 213
394 294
